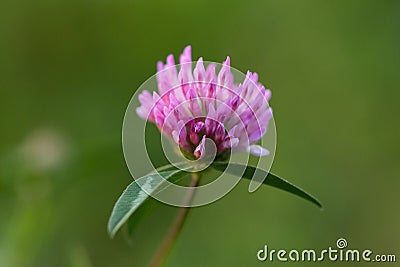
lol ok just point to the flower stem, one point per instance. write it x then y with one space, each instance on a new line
176 226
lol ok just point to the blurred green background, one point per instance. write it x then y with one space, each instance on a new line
69 68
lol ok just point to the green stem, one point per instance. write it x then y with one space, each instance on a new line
176 226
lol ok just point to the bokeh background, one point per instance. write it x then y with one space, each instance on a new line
68 69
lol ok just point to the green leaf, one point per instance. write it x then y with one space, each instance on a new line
271 179
134 196
153 206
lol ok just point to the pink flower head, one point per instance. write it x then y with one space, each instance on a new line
192 105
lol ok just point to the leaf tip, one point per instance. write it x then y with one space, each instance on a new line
321 208
111 232
317 202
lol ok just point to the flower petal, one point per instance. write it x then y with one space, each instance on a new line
257 150
200 150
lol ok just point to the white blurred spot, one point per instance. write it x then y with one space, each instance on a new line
44 149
